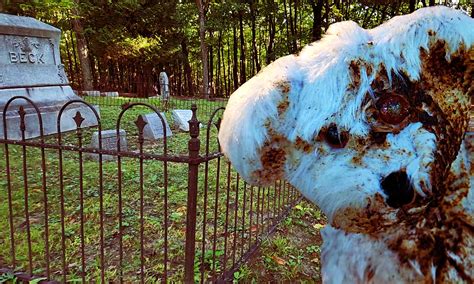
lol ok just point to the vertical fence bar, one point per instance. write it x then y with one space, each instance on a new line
101 204
140 123
251 217
9 188
262 211
79 119
22 114
45 201
226 225
204 222
120 206
235 220
165 201
275 207
266 216
193 171
279 197
61 197
216 206
242 245
257 214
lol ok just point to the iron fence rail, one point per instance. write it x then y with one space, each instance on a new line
51 225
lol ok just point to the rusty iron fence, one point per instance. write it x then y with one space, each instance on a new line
205 105
163 210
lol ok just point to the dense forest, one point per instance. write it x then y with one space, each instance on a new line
207 47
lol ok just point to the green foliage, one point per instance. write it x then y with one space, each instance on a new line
8 278
149 34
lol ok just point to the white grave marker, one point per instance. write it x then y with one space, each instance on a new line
154 128
181 118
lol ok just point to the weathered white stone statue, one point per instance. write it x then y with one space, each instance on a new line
164 85
369 125
30 66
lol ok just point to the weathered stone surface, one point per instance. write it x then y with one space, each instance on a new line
109 142
154 128
97 109
30 66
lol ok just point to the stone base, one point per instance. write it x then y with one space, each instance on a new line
49 100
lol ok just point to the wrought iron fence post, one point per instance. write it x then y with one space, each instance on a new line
193 147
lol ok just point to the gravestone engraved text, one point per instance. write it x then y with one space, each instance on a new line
26 51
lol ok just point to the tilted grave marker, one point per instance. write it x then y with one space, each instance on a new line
181 118
154 128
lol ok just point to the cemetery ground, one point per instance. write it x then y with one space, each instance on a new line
291 254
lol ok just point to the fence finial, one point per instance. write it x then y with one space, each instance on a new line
194 123
78 119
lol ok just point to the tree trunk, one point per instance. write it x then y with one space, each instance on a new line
74 54
235 66
226 77
93 69
187 68
271 40
202 39
327 10
432 2
83 51
72 78
285 13
211 65
254 40
472 9
317 19
243 73
291 20
218 70
412 5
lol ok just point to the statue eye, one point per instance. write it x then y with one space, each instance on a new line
393 109
335 138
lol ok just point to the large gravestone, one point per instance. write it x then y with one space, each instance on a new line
154 127
30 66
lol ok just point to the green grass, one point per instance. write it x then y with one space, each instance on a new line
292 253
153 184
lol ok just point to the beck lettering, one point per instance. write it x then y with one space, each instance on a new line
22 57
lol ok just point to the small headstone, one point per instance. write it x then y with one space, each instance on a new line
181 118
91 93
110 94
154 128
109 142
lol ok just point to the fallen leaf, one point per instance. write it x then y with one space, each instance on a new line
278 260
318 226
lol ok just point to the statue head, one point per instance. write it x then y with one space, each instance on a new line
369 125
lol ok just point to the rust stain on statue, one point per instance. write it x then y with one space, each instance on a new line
284 103
272 157
303 145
